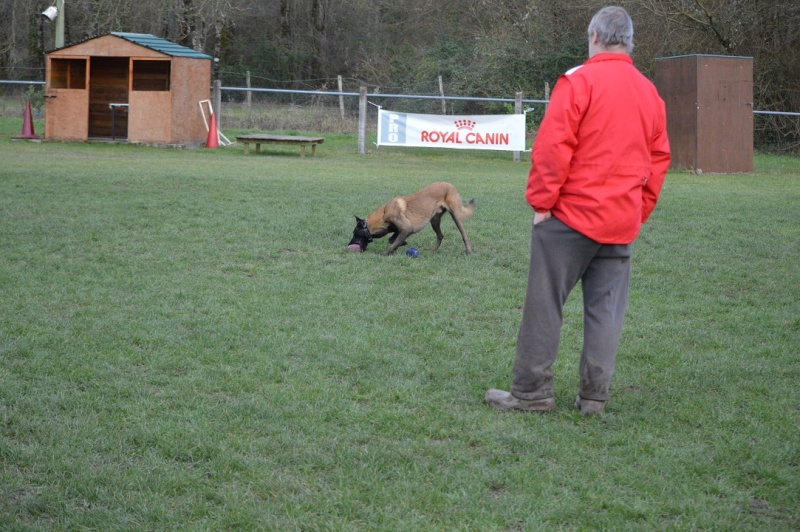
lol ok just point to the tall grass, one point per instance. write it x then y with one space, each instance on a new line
280 117
185 344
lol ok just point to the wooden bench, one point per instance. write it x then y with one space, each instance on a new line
259 138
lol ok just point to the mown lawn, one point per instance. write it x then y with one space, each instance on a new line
185 344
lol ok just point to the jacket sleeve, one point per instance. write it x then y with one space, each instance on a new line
554 146
659 157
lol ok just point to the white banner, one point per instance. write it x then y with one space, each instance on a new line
474 132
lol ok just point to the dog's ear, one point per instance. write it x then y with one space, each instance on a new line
359 220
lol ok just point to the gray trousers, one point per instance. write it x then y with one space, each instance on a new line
560 257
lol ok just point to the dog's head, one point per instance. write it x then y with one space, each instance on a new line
361 235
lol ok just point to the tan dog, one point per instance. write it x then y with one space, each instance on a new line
405 215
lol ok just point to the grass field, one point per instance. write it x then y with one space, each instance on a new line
185 345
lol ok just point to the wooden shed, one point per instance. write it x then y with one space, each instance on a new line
127 86
709 100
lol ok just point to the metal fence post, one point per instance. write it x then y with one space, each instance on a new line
517 111
441 93
248 102
341 96
362 120
218 101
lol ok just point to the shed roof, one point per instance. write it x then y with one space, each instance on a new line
161 45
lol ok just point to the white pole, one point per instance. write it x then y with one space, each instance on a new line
60 24
362 121
441 93
341 96
517 111
248 103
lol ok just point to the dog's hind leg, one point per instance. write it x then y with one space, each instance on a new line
460 226
436 222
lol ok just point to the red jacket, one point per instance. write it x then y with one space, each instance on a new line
601 153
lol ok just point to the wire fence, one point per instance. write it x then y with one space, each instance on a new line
336 111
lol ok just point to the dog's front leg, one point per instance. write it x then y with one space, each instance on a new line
399 240
393 238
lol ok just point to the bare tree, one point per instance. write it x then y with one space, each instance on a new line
481 47
769 32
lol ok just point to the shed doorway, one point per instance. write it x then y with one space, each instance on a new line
108 97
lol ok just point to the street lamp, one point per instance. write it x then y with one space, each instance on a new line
56 12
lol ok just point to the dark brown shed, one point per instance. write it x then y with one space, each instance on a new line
709 101
127 86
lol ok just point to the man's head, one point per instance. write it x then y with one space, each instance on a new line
611 30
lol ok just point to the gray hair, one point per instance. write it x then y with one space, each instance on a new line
613 26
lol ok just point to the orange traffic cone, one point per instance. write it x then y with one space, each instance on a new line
27 123
212 141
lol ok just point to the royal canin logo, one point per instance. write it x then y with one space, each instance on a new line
464 133
465 124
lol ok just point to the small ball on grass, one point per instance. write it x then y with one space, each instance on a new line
412 252
353 247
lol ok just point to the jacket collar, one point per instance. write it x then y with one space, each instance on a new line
609 56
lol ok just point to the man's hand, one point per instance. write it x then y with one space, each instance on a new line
540 217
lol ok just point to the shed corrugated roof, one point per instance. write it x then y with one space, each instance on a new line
161 45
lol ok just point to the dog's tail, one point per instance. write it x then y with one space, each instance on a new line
469 210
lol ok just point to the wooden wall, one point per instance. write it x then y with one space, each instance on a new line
163 104
709 102
191 82
108 83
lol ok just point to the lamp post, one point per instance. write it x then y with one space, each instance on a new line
56 12
60 24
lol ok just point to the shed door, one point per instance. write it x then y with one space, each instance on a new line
108 97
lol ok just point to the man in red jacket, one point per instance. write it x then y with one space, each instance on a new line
598 164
